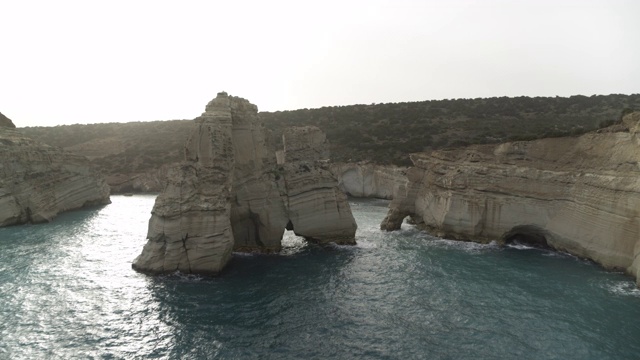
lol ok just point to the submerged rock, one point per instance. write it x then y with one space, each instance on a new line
38 181
575 194
229 193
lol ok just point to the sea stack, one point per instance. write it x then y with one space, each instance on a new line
229 193
576 194
317 209
38 181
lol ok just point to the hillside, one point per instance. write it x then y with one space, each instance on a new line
387 133
379 133
120 147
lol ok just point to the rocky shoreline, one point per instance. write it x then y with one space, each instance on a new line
38 181
579 194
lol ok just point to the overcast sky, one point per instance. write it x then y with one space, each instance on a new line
66 62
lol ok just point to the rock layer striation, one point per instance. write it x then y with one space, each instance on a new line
369 180
38 181
230 194
575 194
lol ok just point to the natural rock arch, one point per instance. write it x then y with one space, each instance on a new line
231 193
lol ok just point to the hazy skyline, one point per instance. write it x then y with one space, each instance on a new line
67 62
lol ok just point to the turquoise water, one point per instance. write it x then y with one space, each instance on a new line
67 291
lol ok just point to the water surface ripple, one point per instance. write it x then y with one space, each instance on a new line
67 291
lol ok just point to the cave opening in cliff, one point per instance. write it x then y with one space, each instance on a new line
527 235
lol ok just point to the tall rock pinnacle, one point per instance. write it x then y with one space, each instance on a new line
229 193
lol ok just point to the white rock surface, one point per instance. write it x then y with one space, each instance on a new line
580 194
318 210
369 180
38 181
229 194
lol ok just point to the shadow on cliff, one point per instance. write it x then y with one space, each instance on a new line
530 235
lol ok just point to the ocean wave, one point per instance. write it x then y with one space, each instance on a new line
623 288
243 254
178 275
333 245
561 254
468 246
519 246
293 245
364 244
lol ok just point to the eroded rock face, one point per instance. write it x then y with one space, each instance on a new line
38 181
317 208
6 122
229 193
369 180
150 181
578 194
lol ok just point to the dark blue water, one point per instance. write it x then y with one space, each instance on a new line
67 291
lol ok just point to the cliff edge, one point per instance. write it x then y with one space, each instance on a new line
230 193
575 194
369 180
38 181
6 122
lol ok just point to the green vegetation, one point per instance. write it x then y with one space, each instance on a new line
381 133
124 148
387 133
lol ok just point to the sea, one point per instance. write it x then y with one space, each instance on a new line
67 291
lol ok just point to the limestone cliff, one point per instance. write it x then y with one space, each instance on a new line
150 181
354 179
369 180
38 181
229 193
575 194
317 208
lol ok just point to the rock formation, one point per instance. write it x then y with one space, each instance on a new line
369 180
316 207
575 194
38 181
150 181
229 193
6 122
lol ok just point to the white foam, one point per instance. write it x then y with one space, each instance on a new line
342 247
185 277
624 288
364 244
467 246
560 254
519 246
243 254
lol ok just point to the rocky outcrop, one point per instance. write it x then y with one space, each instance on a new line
6 122
229 193
316 207
369 180
151 181
575 194
38 181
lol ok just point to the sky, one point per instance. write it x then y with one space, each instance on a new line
68 62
